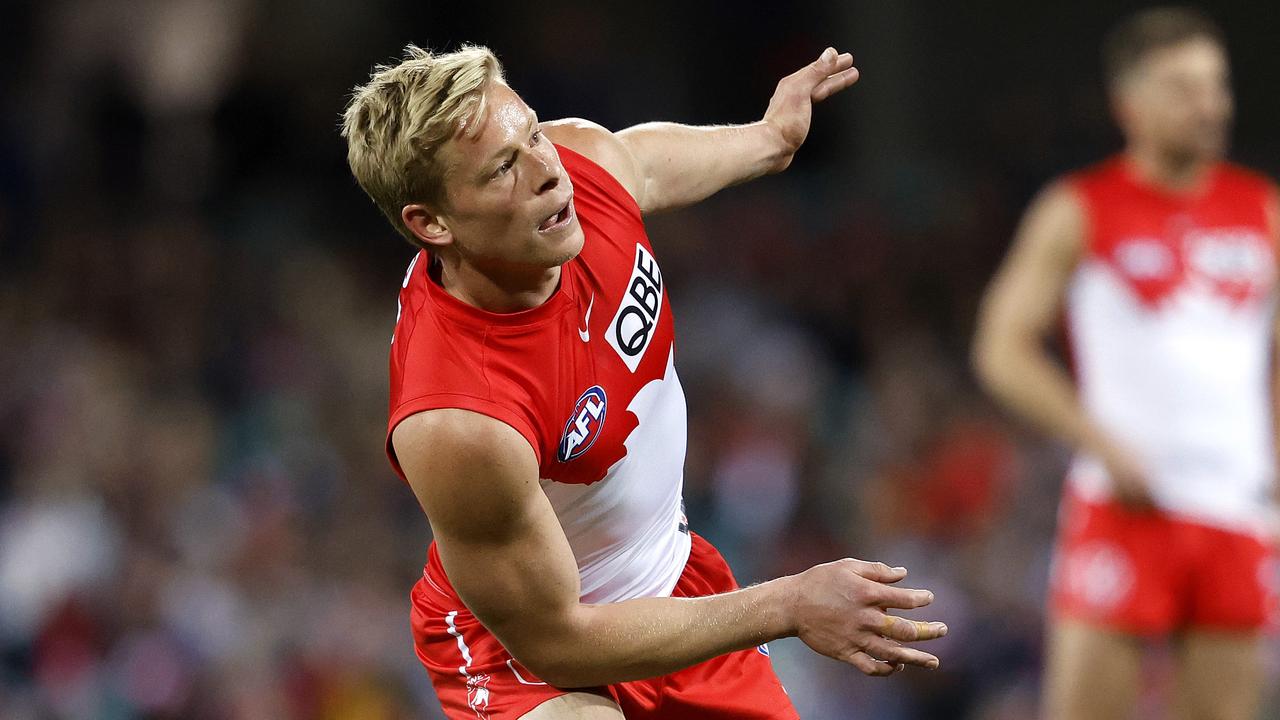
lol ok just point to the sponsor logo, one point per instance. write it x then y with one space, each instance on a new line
763 649
1145 258
1238 255
632 327
584 425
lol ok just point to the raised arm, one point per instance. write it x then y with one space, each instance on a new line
506 555
668 165
1021 308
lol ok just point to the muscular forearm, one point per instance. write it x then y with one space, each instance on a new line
606 644
507 557
681 164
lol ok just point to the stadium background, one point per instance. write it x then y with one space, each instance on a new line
196 516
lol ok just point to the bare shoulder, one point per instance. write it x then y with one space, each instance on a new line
454 457
1061 200
584 137
598 144
1055 222
451 432
1027 291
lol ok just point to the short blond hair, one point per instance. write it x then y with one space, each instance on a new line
396 124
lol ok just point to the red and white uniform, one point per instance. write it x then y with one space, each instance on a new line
1171 315
588 378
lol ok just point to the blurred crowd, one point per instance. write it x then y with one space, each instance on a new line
197 519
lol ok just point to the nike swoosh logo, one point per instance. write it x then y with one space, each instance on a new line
585 332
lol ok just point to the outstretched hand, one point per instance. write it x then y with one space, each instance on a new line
1130 483
840 609
791 107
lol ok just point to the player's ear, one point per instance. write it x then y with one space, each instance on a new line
426 225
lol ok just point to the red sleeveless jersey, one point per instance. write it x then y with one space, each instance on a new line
587 378
1171 315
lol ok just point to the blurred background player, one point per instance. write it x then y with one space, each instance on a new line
1163 258
537 414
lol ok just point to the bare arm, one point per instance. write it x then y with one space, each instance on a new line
506 555
668 165
1019 311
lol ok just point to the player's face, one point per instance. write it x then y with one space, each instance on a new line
1179 100
509 200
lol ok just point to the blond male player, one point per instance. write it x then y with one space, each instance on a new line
537 414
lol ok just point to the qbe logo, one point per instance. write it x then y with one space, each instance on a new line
584 425
632 327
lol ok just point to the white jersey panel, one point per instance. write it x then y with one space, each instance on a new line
1184 384
628 531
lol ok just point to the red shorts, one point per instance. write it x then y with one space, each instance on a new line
1152 574
475 677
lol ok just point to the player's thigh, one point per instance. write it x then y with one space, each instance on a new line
575 706
1220 675
1091 672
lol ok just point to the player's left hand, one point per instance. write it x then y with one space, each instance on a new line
791 107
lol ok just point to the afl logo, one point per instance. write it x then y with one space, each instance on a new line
584 425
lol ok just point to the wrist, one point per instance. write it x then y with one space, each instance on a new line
777 151
779 602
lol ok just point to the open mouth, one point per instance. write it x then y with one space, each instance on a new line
558 219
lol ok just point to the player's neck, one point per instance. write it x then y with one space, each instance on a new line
506 293
1178 174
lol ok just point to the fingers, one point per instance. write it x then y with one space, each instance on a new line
1137 502
822 78
1134 494
835 83
883 595
877 571
829 63
870 666
1129 482
891 652
903 598
904 630
821 67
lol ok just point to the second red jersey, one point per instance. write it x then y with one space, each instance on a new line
1171 314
